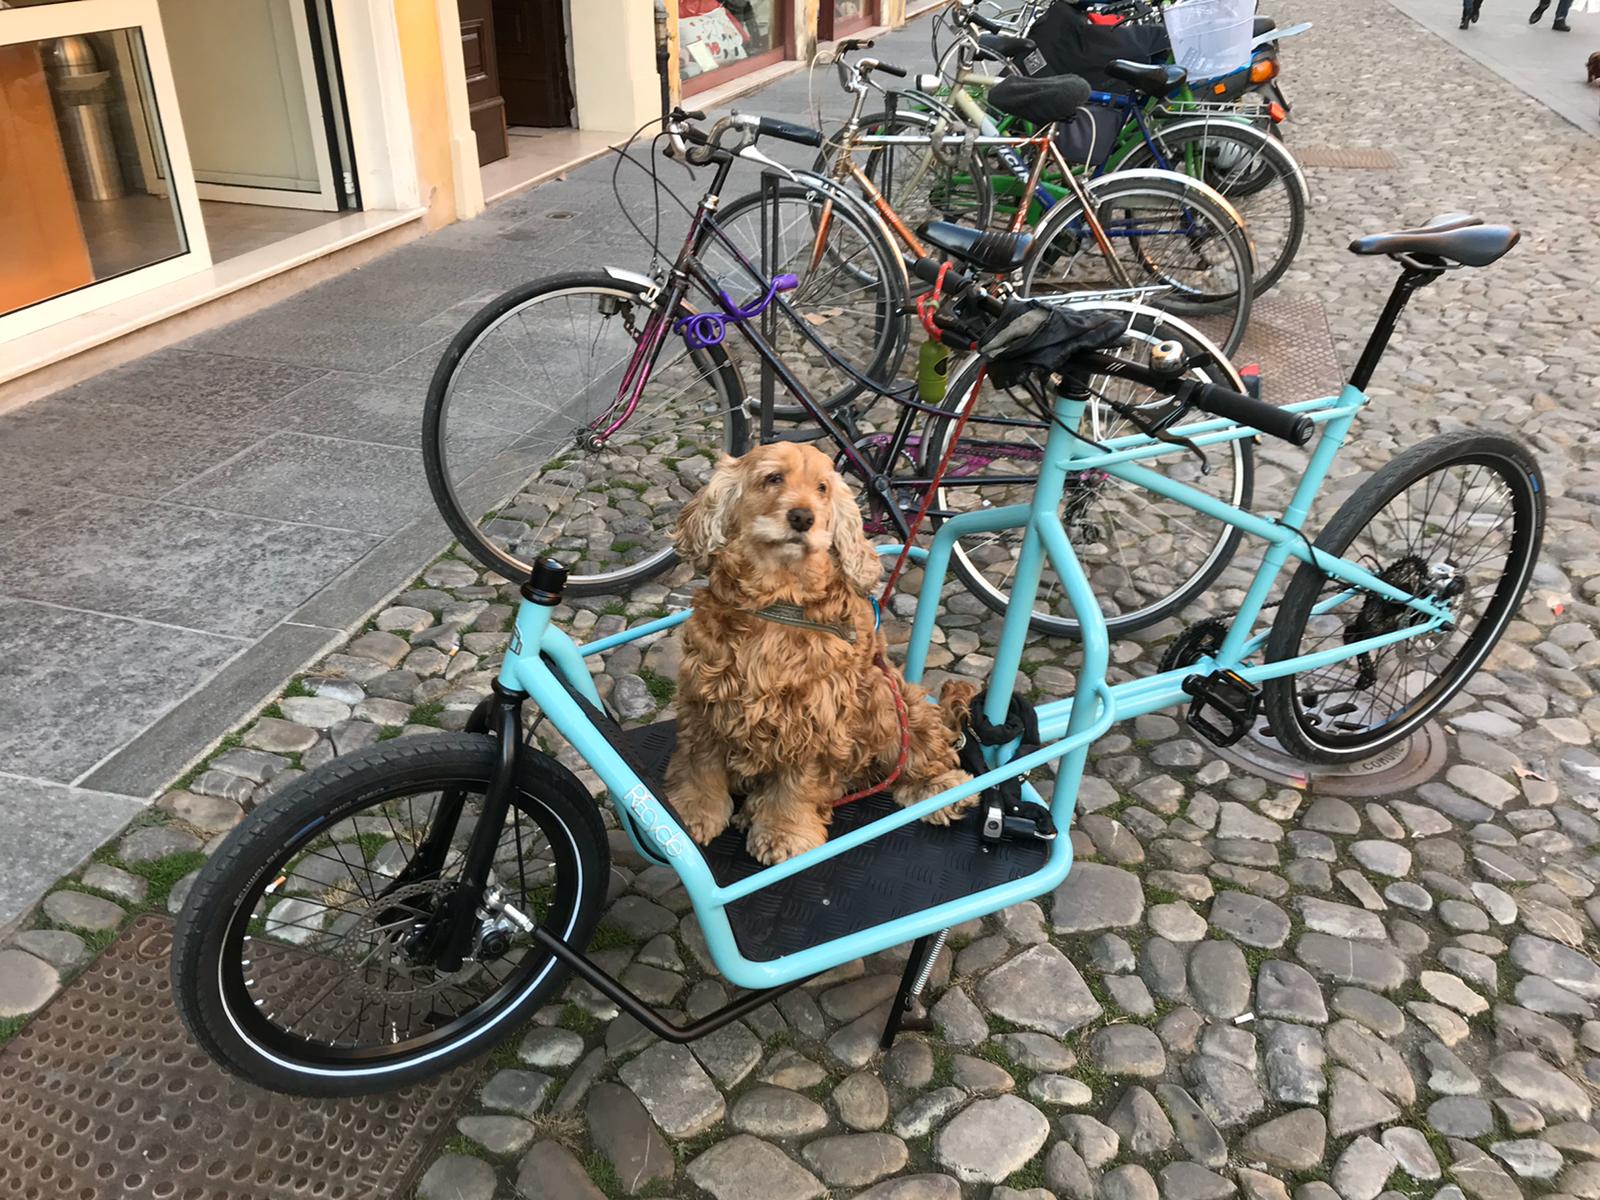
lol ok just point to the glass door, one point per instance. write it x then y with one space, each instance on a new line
97 201
252 107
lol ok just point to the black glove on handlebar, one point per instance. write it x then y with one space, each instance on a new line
1044 338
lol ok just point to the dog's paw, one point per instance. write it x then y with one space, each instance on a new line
772 846
916 793
704 829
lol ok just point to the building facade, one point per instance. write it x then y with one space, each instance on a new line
162 159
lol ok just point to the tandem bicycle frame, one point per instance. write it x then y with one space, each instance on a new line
1067 726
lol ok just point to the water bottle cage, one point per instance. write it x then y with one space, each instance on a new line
701 331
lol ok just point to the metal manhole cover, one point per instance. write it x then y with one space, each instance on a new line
1401 767
1349 158
104 1094
1289 337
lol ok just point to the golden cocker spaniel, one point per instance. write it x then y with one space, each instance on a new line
783 695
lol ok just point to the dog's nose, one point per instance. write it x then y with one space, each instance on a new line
801 519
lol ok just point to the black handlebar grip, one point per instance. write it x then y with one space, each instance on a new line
1258 414
803 134
927 270
891 69
984 23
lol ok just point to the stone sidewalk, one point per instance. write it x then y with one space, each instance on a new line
1253 984
181 535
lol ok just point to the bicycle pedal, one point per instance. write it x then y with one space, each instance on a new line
1232 698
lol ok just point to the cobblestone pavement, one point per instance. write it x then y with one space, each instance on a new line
1243 988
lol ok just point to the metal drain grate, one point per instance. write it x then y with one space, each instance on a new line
1289 337
1347 158
1401 767
104 1094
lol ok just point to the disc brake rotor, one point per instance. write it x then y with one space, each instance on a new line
376 953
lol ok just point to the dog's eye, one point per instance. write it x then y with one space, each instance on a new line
775 479
822 488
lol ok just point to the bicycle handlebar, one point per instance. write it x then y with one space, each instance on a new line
1208 397
1230 405
788 131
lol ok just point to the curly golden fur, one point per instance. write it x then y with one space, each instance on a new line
792 718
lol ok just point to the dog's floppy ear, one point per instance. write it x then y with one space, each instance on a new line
857 559
702 526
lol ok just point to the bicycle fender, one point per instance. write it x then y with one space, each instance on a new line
1190 184
622 275
1269 144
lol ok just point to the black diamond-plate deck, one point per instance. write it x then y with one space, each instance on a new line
103 1094
1346 158
1289 337
914 868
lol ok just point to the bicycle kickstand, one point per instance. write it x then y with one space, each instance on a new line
906 1012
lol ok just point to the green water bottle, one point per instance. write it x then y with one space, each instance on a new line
933 371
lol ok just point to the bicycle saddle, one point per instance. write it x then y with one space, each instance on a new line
1004 46
994 252
1153 79
1040 101
1451 238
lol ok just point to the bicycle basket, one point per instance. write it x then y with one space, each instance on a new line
1210 37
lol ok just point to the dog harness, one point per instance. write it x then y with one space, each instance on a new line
794 616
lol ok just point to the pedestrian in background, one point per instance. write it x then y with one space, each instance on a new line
1560 23
1470 11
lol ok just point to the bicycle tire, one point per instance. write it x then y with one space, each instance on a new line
1296 706
1273 180
651 552
881 273
1147 327
208 939
1229 301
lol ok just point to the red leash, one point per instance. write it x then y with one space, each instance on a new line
905 738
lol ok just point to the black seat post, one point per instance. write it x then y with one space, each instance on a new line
1416 275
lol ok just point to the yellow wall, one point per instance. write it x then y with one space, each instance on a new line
423 58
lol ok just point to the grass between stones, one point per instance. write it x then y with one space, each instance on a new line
610 937
578 1020
661 688
1028 1176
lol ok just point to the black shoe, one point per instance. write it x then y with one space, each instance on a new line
1561 27
1466 22
1477 10
1538 12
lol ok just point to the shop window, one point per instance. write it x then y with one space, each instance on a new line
721 39
85 191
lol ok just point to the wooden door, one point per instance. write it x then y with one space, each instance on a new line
484 102
531 52
841 18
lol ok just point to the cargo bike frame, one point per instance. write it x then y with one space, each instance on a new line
545 666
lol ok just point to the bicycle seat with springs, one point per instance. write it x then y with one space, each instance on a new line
996 253
1153 79
1454 238
1040 101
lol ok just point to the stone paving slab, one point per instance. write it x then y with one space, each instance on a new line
48 831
